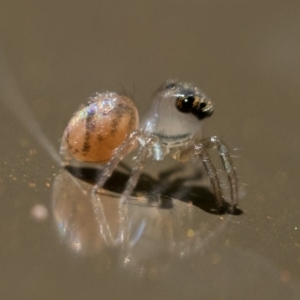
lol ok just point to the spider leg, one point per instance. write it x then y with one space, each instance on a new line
215 142
212 173
117 157
140 161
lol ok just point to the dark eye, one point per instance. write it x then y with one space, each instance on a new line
185 104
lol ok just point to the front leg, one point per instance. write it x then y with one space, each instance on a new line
201 149
212 173
215 142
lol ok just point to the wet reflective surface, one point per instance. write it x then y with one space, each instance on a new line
58 242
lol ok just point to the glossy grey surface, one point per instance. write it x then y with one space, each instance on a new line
244 55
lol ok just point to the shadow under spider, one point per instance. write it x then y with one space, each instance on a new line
158 191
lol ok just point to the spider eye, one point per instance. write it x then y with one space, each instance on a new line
185 104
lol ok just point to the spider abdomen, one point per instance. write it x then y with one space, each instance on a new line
97 129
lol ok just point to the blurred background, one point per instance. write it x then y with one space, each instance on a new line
244 55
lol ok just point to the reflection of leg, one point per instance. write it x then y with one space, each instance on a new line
140 162
117 157
101 219
212 173
228 166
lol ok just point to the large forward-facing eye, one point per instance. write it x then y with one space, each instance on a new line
185 104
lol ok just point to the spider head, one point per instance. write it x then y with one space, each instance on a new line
177 111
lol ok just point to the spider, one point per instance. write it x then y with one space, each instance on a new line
107 129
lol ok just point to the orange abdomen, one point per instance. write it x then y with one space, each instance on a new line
97 129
